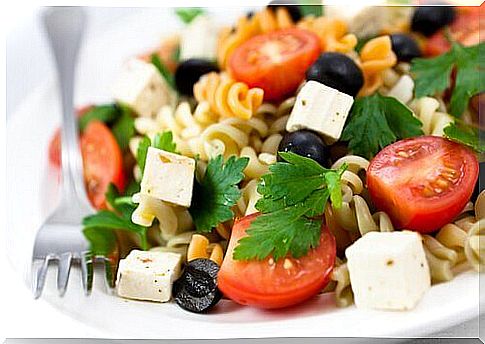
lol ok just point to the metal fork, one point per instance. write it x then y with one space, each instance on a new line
60 238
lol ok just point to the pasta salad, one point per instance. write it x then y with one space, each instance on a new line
300 151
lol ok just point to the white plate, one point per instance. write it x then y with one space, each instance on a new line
31 193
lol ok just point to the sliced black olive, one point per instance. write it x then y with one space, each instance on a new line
480 185
196 290
429 19
188 73
306 143
405 47
338 71
293 10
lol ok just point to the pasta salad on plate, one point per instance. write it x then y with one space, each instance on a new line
300 151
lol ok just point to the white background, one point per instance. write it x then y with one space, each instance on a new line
27 65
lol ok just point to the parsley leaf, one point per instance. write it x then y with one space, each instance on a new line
377 121
217 192
142 151
293 199
124 128
106 113
466 135
163 141
99 228
155 60
188 14
434 75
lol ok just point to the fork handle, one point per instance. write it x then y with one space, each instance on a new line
64 27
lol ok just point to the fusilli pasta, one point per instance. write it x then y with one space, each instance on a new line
434 121
332 32
226 97
199 247
375 57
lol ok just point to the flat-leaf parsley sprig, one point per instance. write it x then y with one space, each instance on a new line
433 75
294 195
217 192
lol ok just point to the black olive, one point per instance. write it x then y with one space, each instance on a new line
429 19
293 10
480 185
188 73
196 290
306 143
405 47
338 71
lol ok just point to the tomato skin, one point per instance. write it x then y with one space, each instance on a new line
466 29
278 75
260 284
102 161
405 186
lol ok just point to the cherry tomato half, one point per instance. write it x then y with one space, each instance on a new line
422 183
266 284
466 29
276 61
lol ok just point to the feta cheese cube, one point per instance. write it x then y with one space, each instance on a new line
322 109
388 270
141 87
199 39
148 275
168 177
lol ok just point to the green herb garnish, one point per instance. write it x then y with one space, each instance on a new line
434 75
155 60
217 192
466 135
99 228
188 14
377 121
294 195
163 141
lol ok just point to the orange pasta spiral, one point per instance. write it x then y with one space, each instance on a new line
375 57
332 32
261 22
226 97
199 247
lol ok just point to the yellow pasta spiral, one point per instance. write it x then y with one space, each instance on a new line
199 247
263 21
375 57
332 32
226 97
434 121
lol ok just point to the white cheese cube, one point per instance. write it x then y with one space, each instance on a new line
322 109
403 89
168 177
148 275
141 87
388 270
199 39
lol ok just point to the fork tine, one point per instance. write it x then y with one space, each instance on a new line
39 272
87 272
65 261
110 273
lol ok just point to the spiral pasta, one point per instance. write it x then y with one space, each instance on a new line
375 57
344 296
332 32
177 244
434 121
226 97
249 196
199 247
263 21
172 220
